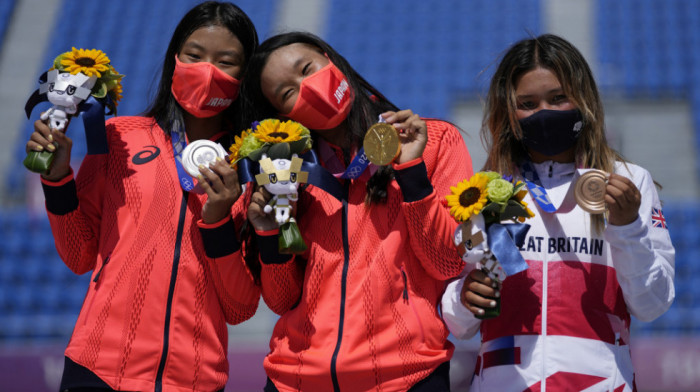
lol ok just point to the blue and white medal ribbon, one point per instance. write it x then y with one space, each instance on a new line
177 136
360 163
538 193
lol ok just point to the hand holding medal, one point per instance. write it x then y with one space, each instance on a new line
397 137
589 191
598 192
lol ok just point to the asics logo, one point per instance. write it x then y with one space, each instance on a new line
148 154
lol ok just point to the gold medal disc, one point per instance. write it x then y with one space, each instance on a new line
382 144
590 191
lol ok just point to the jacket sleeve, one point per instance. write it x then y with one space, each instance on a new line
281 277
234 284
643 255
429 222
460 321
74 209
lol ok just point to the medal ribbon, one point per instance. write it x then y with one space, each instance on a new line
359 164
177 137
539 194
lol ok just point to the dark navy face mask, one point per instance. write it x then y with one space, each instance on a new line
551 132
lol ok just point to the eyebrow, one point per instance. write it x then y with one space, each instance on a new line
295 66
195 45
554 90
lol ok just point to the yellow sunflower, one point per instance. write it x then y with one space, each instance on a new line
236 147
468 198
274 131
521 193
88 61
529 212
117 93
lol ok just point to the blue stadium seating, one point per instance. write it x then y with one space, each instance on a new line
6 9
422 55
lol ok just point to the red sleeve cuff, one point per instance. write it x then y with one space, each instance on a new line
214 225
267 233
60 182
408 164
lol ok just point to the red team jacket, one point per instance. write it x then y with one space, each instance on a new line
156 310
359 310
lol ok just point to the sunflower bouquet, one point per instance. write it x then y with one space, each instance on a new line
276 146
491 212
495 197
74 77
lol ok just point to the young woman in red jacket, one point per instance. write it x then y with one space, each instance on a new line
155 313
359 307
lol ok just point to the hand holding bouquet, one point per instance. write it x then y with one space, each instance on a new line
275 146
491 210
79 81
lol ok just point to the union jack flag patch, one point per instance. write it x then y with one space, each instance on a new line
657 218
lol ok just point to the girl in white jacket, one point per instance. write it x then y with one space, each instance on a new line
564 321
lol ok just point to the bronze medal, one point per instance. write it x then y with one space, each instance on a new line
590 191
382 144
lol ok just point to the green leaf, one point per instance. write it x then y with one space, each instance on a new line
279 151
257 154
299 146
100 90
492 207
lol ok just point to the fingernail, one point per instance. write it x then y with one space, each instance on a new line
51 147
201 167
219 159
480 311
494 285
39 148
492 304
50 138
498 294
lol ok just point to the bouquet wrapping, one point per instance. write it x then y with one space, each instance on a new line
491 212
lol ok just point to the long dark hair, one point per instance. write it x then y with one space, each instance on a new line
164 109
366 107
501 131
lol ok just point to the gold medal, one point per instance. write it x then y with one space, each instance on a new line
590 191
382 144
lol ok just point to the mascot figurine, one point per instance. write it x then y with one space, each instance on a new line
276 146
80 81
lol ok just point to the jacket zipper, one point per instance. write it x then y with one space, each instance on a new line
411 303
99 272
95 280
343 287
171 292
405 284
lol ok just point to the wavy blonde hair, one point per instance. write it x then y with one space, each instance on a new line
501 133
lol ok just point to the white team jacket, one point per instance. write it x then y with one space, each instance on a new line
564 322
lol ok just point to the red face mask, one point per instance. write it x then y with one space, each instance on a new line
202 89
324 99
